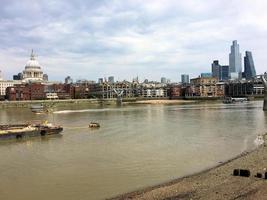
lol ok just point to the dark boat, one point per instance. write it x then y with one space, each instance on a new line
12 131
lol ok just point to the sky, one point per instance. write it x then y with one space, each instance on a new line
128 38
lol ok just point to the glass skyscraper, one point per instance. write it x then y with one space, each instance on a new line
220 71
215 68
224 72
235 65
185 78
249 71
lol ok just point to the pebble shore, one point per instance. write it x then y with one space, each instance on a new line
216 183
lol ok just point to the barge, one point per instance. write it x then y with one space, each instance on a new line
16 131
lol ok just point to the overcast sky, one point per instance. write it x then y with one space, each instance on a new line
125 38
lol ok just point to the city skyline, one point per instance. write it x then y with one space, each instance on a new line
128 38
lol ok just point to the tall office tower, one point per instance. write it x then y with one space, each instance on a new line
235 65
215 69
111 79
45 77
249 71
19 76
100 80
224 73
68 80
185 78
163 80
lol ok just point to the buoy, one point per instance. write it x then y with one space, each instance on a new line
244 172
236 172
258 175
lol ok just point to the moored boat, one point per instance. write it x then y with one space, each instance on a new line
228 100
13 131
94 125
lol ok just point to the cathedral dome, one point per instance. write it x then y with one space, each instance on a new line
33 63
32 72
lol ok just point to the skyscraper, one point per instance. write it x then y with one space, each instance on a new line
235 65
111 79
249 71
185 78
68 80
163 80
215 68
221 72
224 73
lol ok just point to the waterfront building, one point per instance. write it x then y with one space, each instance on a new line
154 92
111 79
177 91
18 93
4 84
163 80
206 75
244 88
185 78
203 87
235 63
39 91
32 71
220 89
32 91
249 71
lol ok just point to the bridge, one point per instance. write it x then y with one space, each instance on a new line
264 81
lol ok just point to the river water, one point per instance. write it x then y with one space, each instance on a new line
136 146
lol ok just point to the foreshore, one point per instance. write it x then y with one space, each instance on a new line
215 183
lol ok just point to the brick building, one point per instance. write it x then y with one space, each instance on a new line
205 87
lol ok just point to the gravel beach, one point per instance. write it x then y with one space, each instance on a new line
215 183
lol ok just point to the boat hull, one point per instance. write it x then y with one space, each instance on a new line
9 132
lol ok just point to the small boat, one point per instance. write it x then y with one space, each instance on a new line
38 109
228 100
94 125
12 131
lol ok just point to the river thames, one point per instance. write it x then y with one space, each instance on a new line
136 146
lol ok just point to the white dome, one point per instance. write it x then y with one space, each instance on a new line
32 64
32 72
